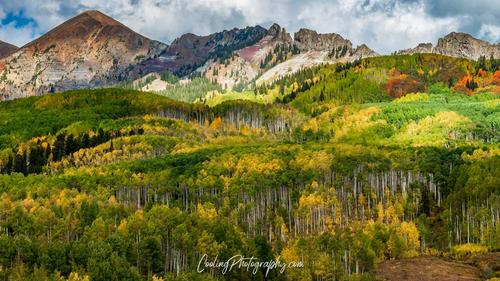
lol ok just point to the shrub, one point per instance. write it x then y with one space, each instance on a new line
469 249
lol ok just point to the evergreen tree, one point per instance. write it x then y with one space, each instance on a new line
58 151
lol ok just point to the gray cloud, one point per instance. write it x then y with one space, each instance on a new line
384 25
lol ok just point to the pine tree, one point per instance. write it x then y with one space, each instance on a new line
58 151
70 145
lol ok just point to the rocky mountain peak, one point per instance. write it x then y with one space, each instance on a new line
458 44
310 40
274 30
278 33
464 45
100 17
92 25
363 51
6 49
89 50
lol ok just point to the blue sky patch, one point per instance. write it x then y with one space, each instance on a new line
18 18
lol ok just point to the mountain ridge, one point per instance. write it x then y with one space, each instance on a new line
93 50
458 44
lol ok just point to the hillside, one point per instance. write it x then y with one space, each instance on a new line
350 168
87 51
246 64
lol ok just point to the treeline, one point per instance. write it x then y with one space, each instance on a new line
32 158
196 89
279 54
238 114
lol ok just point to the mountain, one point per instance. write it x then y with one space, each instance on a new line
191 51
6 49
278 54
87 51
310 40
93 50
246 64
316 49
460 45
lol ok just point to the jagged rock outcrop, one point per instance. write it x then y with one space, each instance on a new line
89 50
279 54
460 45
316 49
363 51
422 48
279 34
6 49
310 40
465 46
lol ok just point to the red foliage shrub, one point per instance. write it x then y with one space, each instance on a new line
402 85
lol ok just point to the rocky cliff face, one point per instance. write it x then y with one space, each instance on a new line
279 34
6 49
460 45
310 40
363 51
89 50
465 46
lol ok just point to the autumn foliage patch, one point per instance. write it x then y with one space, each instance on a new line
402 85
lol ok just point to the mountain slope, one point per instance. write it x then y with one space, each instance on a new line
460 45
316 49
89 50
248 63
6 49
278 54
190 51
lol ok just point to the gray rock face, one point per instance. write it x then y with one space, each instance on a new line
278 33
362 51
422 48
465 46
310 40
461 45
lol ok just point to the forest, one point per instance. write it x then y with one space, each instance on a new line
339 167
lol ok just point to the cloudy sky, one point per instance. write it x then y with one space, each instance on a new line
384 25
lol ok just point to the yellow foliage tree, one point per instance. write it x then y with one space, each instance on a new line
74 276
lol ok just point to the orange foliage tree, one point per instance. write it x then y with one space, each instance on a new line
496 78
402 85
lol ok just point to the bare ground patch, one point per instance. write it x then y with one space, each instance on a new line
426 269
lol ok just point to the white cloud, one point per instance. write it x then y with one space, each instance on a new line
22 35
384 25
491 32
385 29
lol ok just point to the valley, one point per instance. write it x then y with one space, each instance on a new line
124 158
